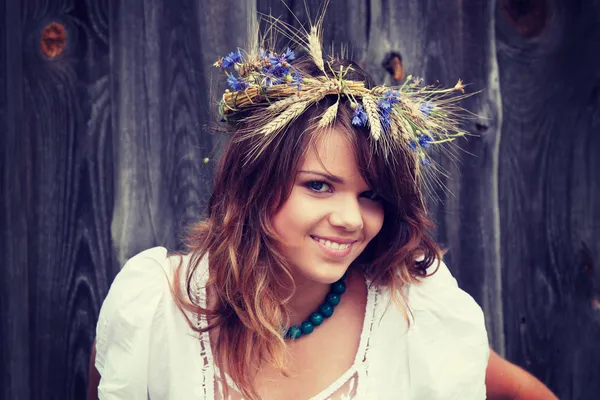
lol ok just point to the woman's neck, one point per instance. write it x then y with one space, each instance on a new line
308 297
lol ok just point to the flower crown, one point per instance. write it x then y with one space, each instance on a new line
410 115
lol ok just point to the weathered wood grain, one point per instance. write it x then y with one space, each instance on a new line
186 112
16 201
69 249
160 103
549 190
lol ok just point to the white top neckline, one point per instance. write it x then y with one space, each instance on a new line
359 358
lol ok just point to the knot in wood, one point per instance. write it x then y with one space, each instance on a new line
53 40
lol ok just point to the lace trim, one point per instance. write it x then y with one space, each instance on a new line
363 373
208 379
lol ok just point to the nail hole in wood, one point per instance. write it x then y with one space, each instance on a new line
481 127
529 17
392 62
53 40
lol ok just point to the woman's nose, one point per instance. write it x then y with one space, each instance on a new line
347 214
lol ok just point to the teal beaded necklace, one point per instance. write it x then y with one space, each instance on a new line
324 311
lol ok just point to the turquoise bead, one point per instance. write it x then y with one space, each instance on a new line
326 309
338 288
333 299
293 333
316 318
307 327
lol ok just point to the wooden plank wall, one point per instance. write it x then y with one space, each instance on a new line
103 140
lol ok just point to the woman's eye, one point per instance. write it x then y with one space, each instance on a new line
318 186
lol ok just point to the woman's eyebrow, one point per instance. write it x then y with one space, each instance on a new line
333 178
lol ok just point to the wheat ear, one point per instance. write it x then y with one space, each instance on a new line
373 116
314 47
329 115
281 104
283 119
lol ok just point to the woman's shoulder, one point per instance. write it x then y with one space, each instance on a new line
133 298
141 327
441 335
147 274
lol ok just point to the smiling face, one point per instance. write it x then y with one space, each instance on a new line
331 214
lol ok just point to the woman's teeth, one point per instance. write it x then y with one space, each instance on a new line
333 245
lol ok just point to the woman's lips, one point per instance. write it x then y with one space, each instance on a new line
331 251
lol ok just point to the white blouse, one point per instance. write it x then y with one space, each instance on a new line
145 348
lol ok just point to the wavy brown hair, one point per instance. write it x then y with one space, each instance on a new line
249 279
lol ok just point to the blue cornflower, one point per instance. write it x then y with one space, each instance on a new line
426 108
236 84
278 60
274 60
393 93
235 56
297 80
226 62
280 71
425 141
271 80
289 54
231 59
385 107
390 98
412 145
425 161
384 104
360 116
385 120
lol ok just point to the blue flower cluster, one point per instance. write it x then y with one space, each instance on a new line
360 116
385 104
277 67
237 83
423 140
297 80
231 59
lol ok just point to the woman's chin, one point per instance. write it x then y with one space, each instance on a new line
329 276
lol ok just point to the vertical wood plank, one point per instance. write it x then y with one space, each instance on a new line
186 112
160 111
65 97
15 186
138 219
548 55
444 41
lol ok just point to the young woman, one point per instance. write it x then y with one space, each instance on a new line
314 275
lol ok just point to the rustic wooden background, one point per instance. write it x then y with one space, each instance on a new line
102 106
